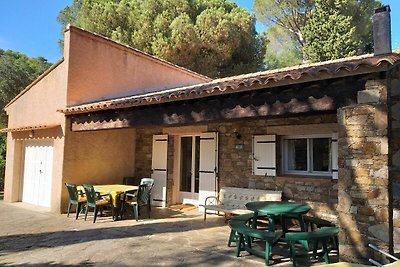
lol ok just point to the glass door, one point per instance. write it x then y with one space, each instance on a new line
189 176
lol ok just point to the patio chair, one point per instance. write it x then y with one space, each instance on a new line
96 201
132 194
74 199
149 181
138 201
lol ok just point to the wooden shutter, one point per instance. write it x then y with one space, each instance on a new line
208 166
264 155
159 170
334 155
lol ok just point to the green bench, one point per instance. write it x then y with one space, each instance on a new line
323 235
244 237
246 218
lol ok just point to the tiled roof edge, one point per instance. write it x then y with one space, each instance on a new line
231 84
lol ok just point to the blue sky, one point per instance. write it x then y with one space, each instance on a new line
31 27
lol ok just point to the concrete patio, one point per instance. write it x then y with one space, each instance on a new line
172 237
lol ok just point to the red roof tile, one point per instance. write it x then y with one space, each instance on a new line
270 78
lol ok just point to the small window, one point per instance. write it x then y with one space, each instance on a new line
307 155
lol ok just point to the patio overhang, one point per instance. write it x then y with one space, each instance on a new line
305 89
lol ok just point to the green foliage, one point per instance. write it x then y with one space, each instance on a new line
290 15
324 29
282 50
16 72
335 29
329 33
212 37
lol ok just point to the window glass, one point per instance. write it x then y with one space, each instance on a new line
297 154
186 165
197 165
320 154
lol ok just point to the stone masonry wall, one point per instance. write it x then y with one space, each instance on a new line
363 172
394 143
235 165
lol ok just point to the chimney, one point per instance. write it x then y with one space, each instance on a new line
382 34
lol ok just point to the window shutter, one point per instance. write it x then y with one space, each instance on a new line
264 155
334 148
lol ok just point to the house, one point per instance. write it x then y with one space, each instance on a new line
325 133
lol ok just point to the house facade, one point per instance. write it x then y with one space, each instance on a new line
326 134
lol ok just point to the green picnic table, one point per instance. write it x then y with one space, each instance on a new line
279 208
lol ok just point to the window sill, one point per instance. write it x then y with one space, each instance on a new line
302 178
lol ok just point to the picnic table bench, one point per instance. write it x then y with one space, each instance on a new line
245 233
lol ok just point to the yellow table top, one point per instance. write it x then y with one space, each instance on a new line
113 189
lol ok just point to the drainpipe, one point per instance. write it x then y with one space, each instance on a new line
381 28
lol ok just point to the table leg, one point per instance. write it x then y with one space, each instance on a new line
255 216
271 223
303 229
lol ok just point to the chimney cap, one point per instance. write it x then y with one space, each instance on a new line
382 9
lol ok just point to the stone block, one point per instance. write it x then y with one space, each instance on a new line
344 201
380 231
368 96
381 118
373 194
375 84
353 209
384 146
382 215
357 120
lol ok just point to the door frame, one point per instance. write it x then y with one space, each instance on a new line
179 198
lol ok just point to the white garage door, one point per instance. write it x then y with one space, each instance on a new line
37 173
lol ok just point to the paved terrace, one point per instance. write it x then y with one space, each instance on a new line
30 236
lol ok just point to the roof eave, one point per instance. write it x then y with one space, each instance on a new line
245 85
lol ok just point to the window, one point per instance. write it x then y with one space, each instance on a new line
307 155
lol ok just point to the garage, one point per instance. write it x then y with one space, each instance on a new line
37 172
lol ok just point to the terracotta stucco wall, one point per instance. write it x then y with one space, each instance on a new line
101 69
98 157
235 166
37 106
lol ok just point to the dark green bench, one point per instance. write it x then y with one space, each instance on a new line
313 223
246 233
323 235
246 218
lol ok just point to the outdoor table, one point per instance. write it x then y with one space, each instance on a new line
275 208
114 190
279 208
